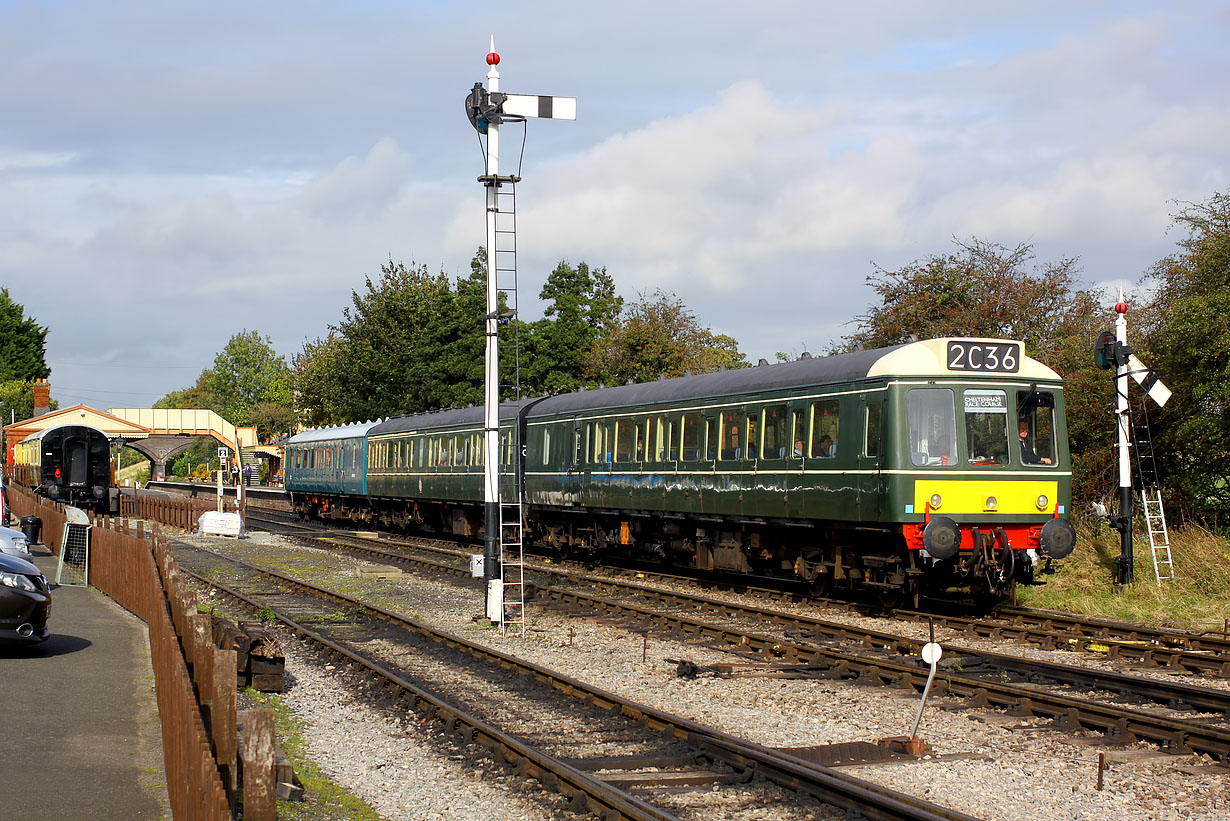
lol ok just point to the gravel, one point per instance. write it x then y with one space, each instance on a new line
982 762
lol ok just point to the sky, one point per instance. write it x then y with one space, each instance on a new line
174 174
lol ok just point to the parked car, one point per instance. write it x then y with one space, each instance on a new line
14 543
25 601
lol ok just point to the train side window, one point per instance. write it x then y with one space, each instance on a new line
657 438
872 442
776 431
460 450
986 427
753 435
672 441
1036 415
798 434
732 443
691 437
546 445
639 448
711 438
825 421
624 440
933 426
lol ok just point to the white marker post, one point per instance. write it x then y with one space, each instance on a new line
223 454
486 110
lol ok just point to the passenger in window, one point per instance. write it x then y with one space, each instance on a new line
942 450
827 448
798 448
1027 449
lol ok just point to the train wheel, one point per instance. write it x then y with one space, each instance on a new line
821 586
891 598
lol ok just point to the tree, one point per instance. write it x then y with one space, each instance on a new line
1188 344
413 341
246 373
23 343
582 309
981 289
17 400
659 336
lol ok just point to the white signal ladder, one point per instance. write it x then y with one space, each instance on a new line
512 565
1151 495
504 267
1159 539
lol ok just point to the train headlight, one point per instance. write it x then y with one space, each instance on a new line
991 503
1042 502
53 491
99 491
936 501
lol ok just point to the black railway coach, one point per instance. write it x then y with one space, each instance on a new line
69 464
935 467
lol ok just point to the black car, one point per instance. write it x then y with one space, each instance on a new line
25 601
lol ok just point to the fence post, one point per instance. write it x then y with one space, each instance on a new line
222 712
260 798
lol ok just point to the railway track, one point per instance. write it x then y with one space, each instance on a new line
814 646
536 720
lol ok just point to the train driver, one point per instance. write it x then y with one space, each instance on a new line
1027 449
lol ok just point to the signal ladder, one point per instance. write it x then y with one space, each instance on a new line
504 266
1151 494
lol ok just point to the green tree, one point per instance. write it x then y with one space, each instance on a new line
658 336
17 400
582 309
1188 344
246 373
23 343
413 341
980 289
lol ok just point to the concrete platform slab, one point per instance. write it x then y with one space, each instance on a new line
82 738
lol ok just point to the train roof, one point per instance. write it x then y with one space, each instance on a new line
913 359
444 418
352 430
45 431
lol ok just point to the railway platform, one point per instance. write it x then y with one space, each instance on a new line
82 736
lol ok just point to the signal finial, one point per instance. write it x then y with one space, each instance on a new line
493 59
1121 305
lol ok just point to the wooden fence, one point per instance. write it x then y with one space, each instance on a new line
195 682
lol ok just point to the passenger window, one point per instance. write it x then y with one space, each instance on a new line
732 442
691 437
546 446
672 440
798 434
639 451
872 448
711 439
986 427
1036 427
824 428
933 427
653 440
624 440
776 431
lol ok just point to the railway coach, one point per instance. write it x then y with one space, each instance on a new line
936 467
69 464
326 471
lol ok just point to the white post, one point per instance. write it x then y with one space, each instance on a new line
1124 416
491 416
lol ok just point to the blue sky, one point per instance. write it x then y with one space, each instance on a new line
171 175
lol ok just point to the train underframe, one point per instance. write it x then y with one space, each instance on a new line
887 561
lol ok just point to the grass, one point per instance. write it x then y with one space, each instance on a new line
1198 597
323 798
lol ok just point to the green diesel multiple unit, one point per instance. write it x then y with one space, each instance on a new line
931 467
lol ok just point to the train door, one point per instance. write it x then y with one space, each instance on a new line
871 460
77 461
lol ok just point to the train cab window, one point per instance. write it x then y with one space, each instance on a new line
1036 427
776 429
986 427
824 426
624 440
691 437
933 427
732 439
